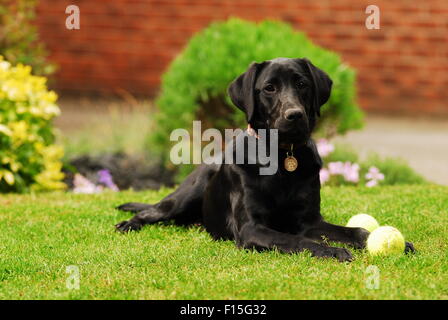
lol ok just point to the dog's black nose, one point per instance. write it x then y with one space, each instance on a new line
293 114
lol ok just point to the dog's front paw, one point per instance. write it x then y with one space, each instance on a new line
342 254
129 225
409 248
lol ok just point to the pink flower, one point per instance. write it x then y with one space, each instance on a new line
324 175
324 148
351 172
83 185
371 183
336 167
374 174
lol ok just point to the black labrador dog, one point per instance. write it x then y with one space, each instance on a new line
280 210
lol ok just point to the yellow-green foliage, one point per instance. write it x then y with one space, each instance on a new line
28 157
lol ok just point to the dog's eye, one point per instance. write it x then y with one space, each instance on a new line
269 88
301 84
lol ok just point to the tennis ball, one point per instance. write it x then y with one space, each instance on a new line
363 220
385 240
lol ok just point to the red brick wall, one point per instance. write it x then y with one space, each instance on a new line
127 44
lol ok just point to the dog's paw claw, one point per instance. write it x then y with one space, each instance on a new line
126 226
343 255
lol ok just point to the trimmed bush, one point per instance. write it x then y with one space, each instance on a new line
19 41
28 157
194 87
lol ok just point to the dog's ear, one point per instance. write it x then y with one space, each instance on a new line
322 84
242 90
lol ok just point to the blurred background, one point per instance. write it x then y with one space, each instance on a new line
109 72
126 45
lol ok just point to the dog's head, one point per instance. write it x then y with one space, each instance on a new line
283 94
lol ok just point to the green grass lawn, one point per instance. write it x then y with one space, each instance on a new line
41 235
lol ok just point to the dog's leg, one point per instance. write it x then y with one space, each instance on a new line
356 237
183 205
260 237
134 207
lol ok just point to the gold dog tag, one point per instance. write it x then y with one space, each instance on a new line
291 163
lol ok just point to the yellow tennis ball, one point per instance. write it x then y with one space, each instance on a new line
363 220
385 240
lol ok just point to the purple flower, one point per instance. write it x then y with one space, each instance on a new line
83 185
105 178
324 175
324 148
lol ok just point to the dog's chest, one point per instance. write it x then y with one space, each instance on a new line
286 189
290 198
289 203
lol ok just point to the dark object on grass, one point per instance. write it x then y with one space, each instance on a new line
127 171
233 201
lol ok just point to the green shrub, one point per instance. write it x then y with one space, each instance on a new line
28 157
194 87
19 39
